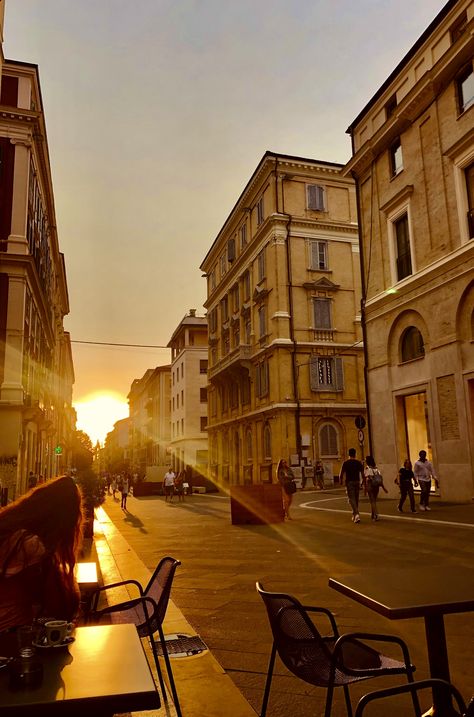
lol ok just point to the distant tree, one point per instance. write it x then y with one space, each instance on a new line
82 452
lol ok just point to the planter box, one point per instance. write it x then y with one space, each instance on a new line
256 504
147 488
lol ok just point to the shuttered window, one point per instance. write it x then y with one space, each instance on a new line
319 255
328 441
322 313
261 375
316 197
326 373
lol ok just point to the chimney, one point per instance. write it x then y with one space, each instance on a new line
192 312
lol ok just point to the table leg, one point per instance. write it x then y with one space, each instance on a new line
439 666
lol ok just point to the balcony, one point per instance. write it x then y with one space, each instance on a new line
324 335
236 361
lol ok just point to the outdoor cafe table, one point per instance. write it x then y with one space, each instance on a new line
104 671
427 592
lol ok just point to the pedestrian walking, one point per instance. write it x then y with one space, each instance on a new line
373 481
113 486
286 478
405 481
168 484
124 490
424 472
351 474
179 486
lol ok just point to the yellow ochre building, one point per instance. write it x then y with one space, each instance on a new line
285 368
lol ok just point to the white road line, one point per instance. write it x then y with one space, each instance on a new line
451 523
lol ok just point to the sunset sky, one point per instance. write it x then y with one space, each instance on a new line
157 113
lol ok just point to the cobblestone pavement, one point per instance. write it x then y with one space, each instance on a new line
215 586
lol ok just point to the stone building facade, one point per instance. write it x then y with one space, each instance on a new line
413 161
37 420
285 346
189 361
149 423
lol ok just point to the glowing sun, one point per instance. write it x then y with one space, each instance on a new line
97 413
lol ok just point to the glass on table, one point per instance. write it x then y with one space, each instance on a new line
26 636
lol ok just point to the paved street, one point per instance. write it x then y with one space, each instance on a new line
215 586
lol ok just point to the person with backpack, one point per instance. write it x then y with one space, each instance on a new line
373 481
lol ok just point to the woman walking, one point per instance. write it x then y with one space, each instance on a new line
286 479
373 481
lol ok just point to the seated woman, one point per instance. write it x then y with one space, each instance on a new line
40 534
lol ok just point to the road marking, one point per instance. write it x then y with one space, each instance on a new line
452 523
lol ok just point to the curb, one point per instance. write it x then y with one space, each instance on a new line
202 684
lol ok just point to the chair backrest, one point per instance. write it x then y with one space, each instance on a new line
410 688
159 589
294 632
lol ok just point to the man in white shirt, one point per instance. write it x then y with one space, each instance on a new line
424 471
168 484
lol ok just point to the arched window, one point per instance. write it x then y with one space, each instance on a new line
267 442
412 344
248 444
328 441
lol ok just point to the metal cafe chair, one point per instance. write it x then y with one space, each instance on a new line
146 612
333 661
412 688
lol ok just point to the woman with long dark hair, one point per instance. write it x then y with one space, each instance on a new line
40 534
373 481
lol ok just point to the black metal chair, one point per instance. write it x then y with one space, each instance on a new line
146 612
413 688
333 661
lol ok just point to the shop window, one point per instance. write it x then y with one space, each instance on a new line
412 344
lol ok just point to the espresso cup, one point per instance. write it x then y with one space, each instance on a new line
56 631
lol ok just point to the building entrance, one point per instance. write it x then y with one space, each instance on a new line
413 428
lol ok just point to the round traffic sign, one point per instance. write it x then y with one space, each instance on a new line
360 435
360 422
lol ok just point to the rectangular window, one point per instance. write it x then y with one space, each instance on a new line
212 319
458 27
319 255
390 106
261 266
245 390
223 263
243 236
469 174
236 336
246 285
212 280
396 158
465 87
326 373
203 366
212 403
260 213
225 344
234 395
248 331
203 423
315 197
262 321
182 370
235 298
402 238
322 313
203 394
262 380
224 309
